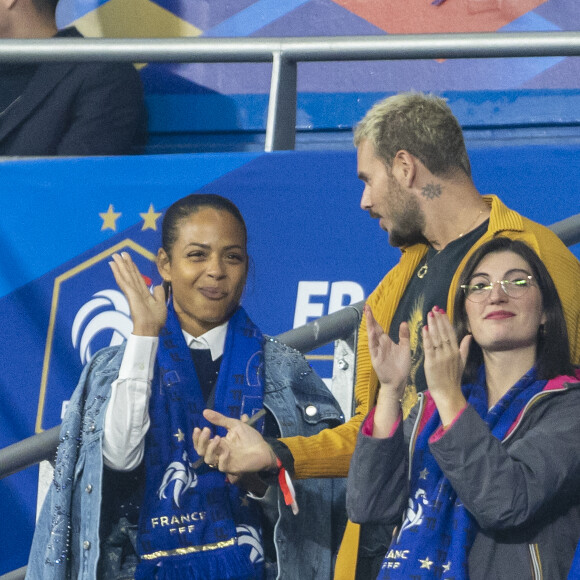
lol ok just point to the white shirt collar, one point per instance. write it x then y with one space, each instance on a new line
213 339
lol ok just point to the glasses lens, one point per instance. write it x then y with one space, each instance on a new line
516 288
477 292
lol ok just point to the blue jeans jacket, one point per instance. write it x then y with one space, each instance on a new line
66 539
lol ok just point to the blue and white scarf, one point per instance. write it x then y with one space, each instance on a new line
437 532
193 523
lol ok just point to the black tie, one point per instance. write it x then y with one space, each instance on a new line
207 371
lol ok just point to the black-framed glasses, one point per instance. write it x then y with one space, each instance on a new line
515 288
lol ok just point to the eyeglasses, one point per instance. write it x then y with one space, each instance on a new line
480 291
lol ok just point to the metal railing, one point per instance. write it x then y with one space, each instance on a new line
568 230
15 574
286 53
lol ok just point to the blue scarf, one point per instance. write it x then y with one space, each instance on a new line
574 573
193 523
437 532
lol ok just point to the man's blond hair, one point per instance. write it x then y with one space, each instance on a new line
418 123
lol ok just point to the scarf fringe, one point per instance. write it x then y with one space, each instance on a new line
228 565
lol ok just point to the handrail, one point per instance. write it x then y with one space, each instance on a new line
18 574
285 53
305 49
568 229
323 330
28 452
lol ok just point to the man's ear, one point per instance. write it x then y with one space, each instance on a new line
404 168
163 265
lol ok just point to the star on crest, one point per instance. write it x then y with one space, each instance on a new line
426 563
110 218
180 435
150 218
423 473
447 567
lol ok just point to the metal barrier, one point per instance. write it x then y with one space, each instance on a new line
568 230
285 53
15 574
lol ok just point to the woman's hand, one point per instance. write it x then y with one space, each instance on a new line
444 364
148 311
392 363
242 450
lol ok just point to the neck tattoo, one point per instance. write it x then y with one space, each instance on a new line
422 271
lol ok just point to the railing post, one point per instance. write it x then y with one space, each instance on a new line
281 122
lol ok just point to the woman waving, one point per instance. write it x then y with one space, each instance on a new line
131 497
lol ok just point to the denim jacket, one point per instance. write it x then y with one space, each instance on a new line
66 539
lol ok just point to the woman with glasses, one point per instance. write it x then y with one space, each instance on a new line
483 478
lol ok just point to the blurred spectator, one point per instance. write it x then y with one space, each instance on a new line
65 108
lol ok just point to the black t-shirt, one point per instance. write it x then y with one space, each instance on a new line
421 295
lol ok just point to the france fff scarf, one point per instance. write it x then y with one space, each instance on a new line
194 524
437 531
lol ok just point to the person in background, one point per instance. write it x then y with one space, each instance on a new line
417 179
482 479
65 108
131 497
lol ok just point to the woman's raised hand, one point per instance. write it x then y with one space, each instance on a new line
444 364
148 310
392 363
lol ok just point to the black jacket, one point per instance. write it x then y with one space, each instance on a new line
76 109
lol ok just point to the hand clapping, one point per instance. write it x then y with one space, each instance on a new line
392 363
444 364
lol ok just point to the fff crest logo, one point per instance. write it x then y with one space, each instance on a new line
87 312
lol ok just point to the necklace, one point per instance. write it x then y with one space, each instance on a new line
422 271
